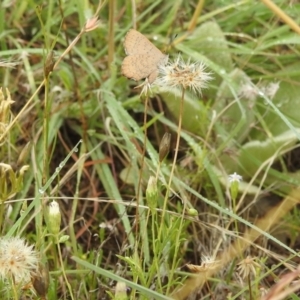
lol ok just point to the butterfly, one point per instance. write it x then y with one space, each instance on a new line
143 58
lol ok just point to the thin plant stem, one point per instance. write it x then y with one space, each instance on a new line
111 33
282 15
157 171
13 285
72 220
250 290
155 251
141 175
178 137
173 165
176 146
2 216
63 269
46 131
133 5
234 209
209 290
196 14
45 173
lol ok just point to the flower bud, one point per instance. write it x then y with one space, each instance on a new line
91 24
234 180
192 212
24 207
151 193
49 63
234 188
164 146
24 154
53 218
63 239
5 104
121 291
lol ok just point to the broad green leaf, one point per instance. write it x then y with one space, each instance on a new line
255 153
234 115
288 102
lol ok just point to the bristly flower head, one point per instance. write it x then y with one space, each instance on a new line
208 263
185 75
248 266
271 89
249 91
17 259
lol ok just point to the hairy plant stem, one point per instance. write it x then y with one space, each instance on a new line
170 182
139 192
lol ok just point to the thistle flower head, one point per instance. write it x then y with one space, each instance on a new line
249 91
271 89
17 259
207 263
248 266
183 74
91 24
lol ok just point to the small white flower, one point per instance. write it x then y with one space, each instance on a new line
235 178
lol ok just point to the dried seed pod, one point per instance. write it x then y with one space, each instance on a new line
49 63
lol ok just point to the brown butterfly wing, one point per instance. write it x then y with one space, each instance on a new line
140 66
137 43
143 57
